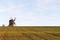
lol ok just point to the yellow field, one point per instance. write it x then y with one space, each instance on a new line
29 33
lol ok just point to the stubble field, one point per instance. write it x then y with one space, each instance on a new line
29 33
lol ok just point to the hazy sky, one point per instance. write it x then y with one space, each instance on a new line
30 12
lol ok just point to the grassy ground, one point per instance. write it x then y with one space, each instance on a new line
30 33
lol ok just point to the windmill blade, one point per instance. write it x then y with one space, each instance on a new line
11 18
15 19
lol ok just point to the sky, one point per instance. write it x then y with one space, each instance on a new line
30 12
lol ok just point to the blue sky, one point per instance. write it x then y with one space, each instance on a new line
30 12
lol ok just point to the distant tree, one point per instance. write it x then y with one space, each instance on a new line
3 25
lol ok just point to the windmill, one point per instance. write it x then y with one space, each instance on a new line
12 21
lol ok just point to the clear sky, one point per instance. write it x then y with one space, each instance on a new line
30 12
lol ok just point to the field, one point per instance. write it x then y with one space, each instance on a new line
30 33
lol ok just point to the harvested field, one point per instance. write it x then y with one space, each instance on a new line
29 33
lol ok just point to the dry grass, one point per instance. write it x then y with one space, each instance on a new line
30 33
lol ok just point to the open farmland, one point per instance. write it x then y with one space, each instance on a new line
30 33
